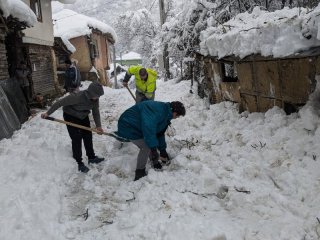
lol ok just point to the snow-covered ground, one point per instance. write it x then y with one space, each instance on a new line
233 176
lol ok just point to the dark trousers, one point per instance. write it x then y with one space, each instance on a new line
77 134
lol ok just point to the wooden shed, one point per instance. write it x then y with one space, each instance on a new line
259 83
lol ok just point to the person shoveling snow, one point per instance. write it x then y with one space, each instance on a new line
76 108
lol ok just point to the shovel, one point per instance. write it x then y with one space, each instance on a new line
131 93
121 139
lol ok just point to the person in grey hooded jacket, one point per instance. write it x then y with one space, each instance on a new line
76 108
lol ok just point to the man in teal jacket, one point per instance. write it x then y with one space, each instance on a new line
145 125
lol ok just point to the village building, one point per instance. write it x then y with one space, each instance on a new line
89 40
14 17
37 48
26 35
130 58
274 61
61 54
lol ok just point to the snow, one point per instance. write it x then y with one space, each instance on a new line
69 24
262 32
124 68
130 56
216 153
19 10
67 1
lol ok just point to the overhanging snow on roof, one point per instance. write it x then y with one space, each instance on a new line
19 10
279 34
69 24
130 56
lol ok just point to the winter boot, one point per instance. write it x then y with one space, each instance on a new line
95 160
82 168
140 173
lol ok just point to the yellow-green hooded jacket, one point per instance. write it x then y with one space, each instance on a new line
145 87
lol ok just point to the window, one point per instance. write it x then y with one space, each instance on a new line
36 8
62 59
229 72
94 51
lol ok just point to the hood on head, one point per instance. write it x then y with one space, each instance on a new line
95 90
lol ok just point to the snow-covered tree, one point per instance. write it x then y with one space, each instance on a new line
137 31
108 10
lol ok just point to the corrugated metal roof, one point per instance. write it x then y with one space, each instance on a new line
9 121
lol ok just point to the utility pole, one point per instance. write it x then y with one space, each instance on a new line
115 68
163 17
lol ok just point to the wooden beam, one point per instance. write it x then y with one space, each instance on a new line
4 23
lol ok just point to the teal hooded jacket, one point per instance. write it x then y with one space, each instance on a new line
147 120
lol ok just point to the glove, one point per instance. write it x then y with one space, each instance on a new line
154 155
155 159
127 77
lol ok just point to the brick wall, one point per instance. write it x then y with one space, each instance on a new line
42 68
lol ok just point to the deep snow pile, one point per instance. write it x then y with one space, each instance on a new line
262 32
233 176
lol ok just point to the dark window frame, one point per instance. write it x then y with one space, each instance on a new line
229 72
61 59
94 49
35 5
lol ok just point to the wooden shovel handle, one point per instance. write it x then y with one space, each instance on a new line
131 93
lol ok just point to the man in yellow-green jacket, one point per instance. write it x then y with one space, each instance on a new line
145 79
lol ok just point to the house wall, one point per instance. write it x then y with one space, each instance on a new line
213 81
101 62
265 84
13 95
85 63
42 32
82 53
42 68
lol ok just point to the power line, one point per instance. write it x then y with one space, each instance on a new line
152 5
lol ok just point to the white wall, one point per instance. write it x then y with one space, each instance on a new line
42 32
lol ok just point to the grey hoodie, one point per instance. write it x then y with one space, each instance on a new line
80 104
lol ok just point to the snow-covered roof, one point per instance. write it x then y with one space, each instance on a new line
69 24
130 56
278 34
19 10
